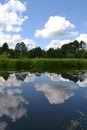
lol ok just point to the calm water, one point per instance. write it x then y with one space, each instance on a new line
46 101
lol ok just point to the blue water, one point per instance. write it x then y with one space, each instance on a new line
45 101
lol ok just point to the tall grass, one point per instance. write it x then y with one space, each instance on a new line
43 64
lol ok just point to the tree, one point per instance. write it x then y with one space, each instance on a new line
73 49
11 53
58 53
5 47
84 55
36 53
20 49
50 53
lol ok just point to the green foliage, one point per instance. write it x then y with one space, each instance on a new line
51 65
20 50
3 61
50 53
4 48
84 55
36 53
71 50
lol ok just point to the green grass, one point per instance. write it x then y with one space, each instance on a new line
43 64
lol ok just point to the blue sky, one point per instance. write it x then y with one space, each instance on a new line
44 23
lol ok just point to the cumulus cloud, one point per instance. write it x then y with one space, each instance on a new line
29 43
56 26
11 17
11 21
12 40
57 43
82 37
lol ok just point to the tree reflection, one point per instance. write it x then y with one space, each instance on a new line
21 76
5 75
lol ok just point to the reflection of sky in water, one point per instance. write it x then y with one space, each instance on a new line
3 125
54 94
58 90
55 88
11 100
62 90
83 83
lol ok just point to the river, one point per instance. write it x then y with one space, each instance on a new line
41 101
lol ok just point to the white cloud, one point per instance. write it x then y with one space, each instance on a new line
11 20
56 26
16 5
57 43
82 37
10 28
29 43
12 40
11 17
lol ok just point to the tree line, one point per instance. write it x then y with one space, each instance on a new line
73 49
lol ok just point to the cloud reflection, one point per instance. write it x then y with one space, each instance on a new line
56 77
3 125
83 82
58 90
13 80
54 94
12 103
30 77
11 106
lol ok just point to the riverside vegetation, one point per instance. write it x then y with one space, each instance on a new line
41 65
70 56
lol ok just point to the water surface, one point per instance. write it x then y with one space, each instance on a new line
41 101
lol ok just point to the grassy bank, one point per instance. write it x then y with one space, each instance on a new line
43 64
